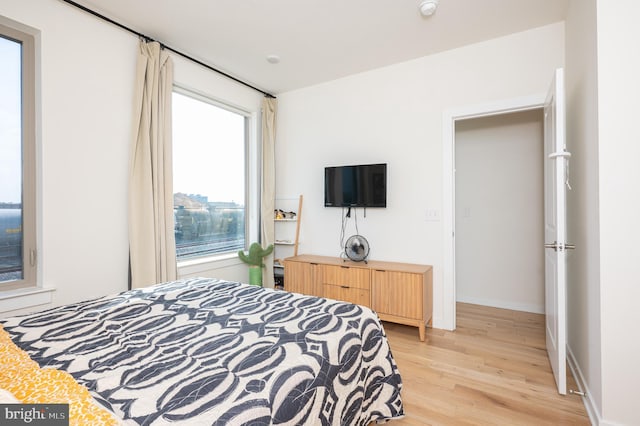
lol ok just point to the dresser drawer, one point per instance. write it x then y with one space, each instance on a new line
346 276
354 295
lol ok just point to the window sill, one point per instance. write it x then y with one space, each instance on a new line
202 264
13 300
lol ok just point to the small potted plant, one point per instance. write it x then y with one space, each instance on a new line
254 260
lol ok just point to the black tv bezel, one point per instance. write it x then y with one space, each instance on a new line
362 205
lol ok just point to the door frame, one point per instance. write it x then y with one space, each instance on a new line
449 119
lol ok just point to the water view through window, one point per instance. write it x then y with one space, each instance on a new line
208 177
11 262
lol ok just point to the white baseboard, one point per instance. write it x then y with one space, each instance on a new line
525 307
589 404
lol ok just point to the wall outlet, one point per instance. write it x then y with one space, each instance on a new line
432 215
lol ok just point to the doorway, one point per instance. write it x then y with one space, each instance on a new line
446 319
499 214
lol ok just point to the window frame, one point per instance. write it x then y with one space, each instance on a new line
250 141
30 42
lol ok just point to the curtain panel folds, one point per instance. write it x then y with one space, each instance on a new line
152 253
268 185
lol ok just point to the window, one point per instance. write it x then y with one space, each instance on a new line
17 157
209 176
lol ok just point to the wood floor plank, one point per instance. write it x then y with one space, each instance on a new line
493 370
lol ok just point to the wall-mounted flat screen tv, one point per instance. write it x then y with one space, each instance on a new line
362 185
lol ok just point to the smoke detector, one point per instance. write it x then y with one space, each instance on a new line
428 7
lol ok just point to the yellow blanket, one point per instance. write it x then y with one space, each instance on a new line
30 384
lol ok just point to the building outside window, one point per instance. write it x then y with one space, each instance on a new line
17 158
209 176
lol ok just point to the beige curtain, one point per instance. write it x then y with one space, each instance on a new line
268 191
151 236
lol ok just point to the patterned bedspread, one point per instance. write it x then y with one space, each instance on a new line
203 351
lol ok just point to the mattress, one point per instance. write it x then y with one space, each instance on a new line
208 351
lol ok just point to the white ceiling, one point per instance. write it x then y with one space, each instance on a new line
320 40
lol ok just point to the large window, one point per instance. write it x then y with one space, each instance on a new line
17 158
209 176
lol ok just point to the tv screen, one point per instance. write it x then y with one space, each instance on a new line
362 185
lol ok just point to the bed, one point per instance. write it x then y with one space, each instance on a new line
207 351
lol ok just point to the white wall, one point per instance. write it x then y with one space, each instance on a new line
87 77
603 109
394 115
619 178
583 263
499 211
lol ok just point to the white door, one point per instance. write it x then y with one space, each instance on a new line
555 184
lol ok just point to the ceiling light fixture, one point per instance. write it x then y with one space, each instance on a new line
428 7
273 59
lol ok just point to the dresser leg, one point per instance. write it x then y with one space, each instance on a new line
421 329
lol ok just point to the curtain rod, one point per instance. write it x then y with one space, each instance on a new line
164 46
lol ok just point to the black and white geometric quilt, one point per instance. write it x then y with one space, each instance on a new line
211 352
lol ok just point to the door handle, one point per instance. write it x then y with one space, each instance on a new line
560 246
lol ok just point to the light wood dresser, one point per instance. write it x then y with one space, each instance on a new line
398 292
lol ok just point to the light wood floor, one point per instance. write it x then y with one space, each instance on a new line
493 370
